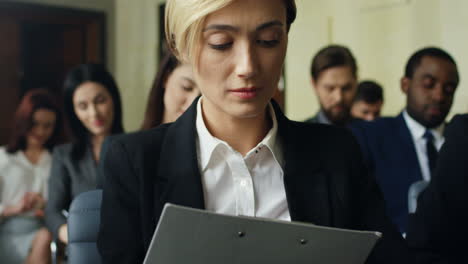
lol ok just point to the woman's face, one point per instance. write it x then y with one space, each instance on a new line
180 91
94 107
241 57
42 127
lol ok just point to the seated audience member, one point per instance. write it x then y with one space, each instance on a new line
93 109
283 169
368 101
172 93
402 150
334 78
24 169
438 230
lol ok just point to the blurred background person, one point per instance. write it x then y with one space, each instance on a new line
334 78
172 93
24 169
93 111
368 101
402 150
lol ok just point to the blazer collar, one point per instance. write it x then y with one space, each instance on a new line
306 184
178 168
408 144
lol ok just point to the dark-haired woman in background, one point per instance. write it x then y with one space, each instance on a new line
172 93
93 109
24 169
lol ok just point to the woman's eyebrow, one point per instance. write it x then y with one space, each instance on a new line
274 23
225 27
221 27
188 79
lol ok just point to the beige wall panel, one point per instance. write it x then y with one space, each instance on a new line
382 35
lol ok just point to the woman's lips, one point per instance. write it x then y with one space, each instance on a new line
37 138
98 123
245 93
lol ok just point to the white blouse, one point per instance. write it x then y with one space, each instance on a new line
235 185
18 176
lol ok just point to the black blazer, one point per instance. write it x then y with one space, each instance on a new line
438 230
325 180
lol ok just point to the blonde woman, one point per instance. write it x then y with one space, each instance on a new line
233 151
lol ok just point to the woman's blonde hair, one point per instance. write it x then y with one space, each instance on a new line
184 20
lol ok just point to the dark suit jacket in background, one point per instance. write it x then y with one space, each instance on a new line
390 154
69 177
438 231
319 118
325 180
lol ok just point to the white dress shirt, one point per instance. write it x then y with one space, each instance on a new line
18 176
417 133
235 185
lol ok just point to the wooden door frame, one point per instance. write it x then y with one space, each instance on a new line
56 15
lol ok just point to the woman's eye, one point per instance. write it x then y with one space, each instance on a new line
268 43
82 106
187 88
100 100
224 46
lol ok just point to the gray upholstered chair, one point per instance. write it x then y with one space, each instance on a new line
83 225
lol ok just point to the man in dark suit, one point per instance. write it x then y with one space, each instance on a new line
402 150
334 78
438 230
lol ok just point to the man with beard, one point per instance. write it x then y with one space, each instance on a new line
334 78
402 150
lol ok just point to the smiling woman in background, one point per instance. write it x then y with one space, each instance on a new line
24 169
233 151
172 93
93 109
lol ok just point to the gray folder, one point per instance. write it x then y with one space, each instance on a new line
186 235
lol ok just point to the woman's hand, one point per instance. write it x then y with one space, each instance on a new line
30 201
63 233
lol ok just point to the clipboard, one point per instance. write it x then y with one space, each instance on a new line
187 235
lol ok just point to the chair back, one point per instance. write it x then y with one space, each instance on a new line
83 226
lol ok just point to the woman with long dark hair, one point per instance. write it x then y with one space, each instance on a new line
173 90
93 111
24 169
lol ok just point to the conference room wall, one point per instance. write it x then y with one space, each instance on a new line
382 35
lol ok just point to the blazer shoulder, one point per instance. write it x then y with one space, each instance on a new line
140 140
323 134
377 128
62 151
458 126
378 124
312 119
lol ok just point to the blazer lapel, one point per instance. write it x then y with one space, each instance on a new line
90 165
178 170
306 182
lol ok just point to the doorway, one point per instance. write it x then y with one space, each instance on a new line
40 44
